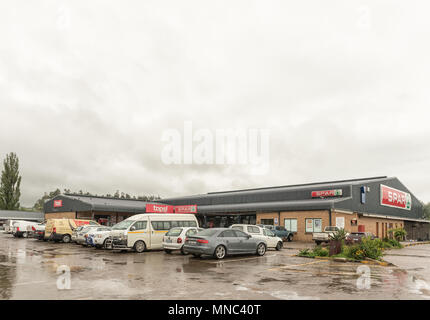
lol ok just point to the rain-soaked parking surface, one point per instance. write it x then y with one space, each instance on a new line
28 270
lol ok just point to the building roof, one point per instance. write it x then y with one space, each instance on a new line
88 203
280 189
21 215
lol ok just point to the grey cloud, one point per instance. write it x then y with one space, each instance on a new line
86 90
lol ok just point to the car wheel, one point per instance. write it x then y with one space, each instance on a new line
220 252
167 251
183 251
197 255
25 235
66 238
104 246
290 238
139 246
279 246
261 249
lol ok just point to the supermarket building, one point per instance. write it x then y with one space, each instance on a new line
375 204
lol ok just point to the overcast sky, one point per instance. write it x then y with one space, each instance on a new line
87 88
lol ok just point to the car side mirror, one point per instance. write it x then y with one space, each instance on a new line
249 236
132 228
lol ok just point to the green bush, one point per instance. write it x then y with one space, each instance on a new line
354 252
399 233
392 243
367 248
338 235
372 248
320 252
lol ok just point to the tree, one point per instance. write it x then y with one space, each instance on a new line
10 183
426 211
38 206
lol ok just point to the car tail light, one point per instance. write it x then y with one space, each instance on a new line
179 240
54 230
33 228
202 241
17 229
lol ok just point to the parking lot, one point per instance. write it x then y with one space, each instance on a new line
30 269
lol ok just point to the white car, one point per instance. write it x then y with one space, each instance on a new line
82 234
19 228
260 233
174 239
97 237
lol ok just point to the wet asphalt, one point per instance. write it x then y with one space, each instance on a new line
31 269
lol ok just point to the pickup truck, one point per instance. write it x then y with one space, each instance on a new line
279 231
320 237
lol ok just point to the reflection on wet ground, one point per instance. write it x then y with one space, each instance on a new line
28 270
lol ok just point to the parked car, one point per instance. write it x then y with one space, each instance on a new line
19 228
75 233
220 242
279 231
320 237
145 231
8 226
38 231
97 236
174 239
356 237
83 235
62 229
267 235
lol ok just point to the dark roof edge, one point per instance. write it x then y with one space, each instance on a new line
303 185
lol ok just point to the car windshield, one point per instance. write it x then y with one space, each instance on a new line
123 225
237 227
206 233
357 233
103 229
174 232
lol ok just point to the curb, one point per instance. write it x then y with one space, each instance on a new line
415 243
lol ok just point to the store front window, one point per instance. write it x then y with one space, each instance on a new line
313 225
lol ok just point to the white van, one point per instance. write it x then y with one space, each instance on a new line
20 228
146 231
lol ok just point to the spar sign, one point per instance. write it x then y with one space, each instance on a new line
326 193
164 208
391 197
186 209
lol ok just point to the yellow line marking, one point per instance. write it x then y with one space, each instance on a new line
298 265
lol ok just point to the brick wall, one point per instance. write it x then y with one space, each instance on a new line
377 226
59 215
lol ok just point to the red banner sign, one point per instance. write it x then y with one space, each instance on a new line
327 193
186 209
159 208
391 197
58 203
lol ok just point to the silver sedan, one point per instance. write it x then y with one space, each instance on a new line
220 242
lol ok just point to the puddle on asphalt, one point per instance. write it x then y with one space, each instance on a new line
7 276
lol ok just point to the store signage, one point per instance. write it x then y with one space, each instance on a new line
327 193
58 203
185 209
159 208
391 197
